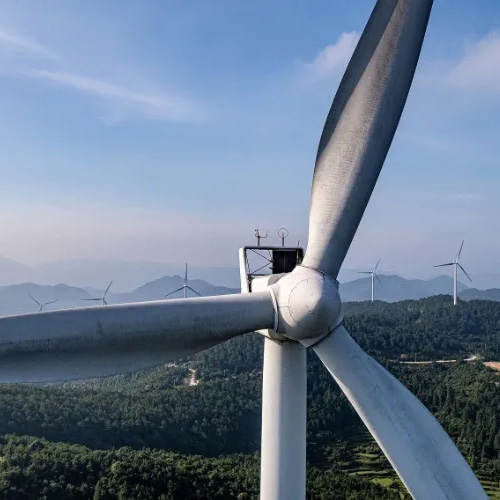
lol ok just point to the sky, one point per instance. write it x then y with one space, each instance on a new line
167 131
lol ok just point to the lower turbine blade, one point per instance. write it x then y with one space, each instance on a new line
422 454
100 341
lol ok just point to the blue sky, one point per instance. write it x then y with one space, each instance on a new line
166 131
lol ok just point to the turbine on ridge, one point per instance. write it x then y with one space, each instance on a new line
456 264
41 305
185 287
293 310
374 275
102 299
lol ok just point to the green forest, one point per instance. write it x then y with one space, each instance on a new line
153 435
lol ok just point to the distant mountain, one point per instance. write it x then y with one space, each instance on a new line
475 294
157 289
395 288
14 299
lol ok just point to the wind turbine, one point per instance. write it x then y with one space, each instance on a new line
456 264
41 304
103 297
374 275
184 287
297 310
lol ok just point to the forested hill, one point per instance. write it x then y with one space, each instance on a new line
157 435
428 329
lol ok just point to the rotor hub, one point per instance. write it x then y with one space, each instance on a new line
308 305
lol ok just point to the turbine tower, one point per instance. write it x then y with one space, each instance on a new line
102 299
41 305
185 287
374 275
295 310
456 264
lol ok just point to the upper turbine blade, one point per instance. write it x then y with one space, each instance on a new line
460 251
99 341
421 452
376 267
360 126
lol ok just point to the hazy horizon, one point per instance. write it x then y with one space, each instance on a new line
170 135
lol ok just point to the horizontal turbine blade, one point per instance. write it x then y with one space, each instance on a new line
443 265
360 127
100 341
463 270
422 454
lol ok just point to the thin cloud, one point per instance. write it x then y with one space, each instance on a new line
12 42
479 68
331 59
144 103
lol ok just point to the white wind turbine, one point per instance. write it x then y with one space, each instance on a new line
456 264
184 287
41 305
102 299
299 310
374 275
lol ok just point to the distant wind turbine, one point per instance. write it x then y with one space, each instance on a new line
41 304
373 276
184 287
456 264
103 298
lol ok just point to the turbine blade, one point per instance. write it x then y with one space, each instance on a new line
33 299
364 272
100 341
443 265
460 251
51 302
421 452
376 267
107 289
175 291
378 279
193 290
186 275
463 270
360 126
95 298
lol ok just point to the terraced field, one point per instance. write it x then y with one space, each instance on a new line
362 457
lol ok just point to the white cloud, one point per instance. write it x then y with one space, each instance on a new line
144 103
11 42
331 59
479 68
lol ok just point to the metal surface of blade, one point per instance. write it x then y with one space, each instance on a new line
378 279
443 265
422 454
99 341
376 267
463 270
360 127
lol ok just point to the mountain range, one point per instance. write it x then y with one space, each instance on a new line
15 299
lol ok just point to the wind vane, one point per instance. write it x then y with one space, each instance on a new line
259 236
283 233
